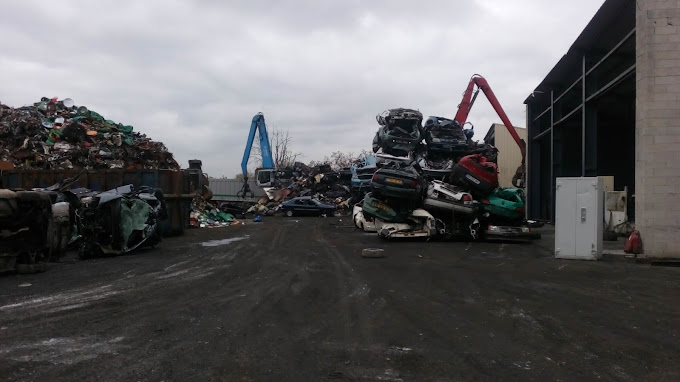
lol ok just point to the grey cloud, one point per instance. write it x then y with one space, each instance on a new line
193 73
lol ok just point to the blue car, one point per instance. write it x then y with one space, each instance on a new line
306 205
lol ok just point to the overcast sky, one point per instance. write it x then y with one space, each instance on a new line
193 73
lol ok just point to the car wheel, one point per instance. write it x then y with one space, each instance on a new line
289 213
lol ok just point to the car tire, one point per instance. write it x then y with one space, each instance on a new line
289 213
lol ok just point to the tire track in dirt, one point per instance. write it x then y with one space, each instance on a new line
354 308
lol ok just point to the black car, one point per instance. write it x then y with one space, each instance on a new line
306 205
445 137
399 133
399 182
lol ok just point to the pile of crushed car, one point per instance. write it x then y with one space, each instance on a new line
431 179
39 225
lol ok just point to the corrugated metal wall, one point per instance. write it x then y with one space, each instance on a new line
226 189
509 156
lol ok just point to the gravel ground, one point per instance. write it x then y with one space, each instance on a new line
292 299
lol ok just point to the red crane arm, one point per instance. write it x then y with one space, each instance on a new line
468 101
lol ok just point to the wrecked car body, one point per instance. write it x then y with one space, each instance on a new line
374 207
361 178
477 173
518 232
399 181
366 223
445 138
399 132
26 229
445 197
419 223
120 220
505 204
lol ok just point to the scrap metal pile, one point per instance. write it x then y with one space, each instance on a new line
57 134
205 214
300 180
424 180
446 185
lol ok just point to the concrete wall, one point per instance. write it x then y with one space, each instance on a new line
657 155
509 156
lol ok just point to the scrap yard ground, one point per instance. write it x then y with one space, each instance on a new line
291 299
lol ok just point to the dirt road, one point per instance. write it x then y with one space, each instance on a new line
293 300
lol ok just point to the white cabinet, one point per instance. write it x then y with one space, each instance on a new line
579 216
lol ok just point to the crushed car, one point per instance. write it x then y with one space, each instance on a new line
364 222
399 132
477 173
443 196
377 208
419 223
26 230
445 138
503 215
399 181
120 220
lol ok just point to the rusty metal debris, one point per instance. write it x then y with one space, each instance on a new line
54 134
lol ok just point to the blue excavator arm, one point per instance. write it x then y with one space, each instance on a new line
258 125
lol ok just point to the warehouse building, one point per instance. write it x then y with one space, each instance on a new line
509 155
611 107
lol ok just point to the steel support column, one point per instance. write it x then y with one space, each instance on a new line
583 116
552 156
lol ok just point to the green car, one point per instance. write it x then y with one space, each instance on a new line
379 209
506 203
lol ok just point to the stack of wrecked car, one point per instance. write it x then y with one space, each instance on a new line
451 181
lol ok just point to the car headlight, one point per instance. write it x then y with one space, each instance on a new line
436 140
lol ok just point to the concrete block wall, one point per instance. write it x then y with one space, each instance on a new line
657 155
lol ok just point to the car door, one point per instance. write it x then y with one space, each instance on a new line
299 206
313 207
320 208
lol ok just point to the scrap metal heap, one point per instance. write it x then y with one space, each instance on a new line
320 182
57 134
446 185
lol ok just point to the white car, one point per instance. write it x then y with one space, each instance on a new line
445 197
367 224
419 224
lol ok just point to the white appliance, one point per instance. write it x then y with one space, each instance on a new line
579 217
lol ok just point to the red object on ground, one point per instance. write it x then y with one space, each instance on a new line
633 243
